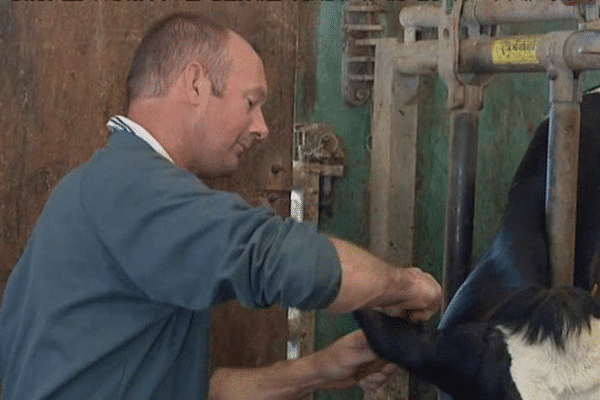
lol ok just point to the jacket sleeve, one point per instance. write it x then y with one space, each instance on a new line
187 245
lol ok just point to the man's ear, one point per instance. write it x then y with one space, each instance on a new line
196 85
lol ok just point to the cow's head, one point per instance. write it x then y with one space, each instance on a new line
539 344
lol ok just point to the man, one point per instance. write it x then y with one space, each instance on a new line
111 297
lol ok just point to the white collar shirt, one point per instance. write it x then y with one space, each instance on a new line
120 122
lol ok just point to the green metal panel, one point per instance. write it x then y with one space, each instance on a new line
347 215
514 105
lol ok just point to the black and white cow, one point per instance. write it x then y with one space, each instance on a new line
507 334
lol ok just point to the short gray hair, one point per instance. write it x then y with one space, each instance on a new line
169 46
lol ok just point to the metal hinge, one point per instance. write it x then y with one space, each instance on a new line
318 154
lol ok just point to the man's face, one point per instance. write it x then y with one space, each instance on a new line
233 121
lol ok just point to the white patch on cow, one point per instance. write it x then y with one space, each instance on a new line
597 90
544 372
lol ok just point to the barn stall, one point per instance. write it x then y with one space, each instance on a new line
63 71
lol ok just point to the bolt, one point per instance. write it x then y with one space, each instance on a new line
552 74
361 94
276 168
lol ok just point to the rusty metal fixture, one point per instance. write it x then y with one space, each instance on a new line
318 152
317 143
361 21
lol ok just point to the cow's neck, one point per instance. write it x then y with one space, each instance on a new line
544 371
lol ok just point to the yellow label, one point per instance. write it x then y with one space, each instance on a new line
516 50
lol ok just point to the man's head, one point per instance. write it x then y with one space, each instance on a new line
169 46
198 89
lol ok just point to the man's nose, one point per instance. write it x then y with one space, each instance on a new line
259 126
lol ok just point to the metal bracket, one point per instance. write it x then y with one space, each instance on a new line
361 21
460 93
318 152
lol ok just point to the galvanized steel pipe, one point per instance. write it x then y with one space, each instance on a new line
488 12
423 16
460 203
580 51
561 189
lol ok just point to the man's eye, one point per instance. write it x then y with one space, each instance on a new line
251 104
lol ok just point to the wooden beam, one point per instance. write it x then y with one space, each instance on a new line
392 185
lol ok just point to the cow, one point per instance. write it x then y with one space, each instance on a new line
507 334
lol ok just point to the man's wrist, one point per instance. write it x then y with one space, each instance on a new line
284 380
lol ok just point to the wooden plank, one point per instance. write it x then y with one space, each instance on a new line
393 158
65 66
392 184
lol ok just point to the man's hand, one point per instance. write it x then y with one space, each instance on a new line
349 361
370 282
423 297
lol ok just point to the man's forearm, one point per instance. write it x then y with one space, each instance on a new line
347 362
284 380
368 281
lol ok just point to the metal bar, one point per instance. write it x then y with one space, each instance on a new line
561 189
423 16
360 78
580 51
487 12
365 59
393 177
563 50
361 8
458 235
364 27
367 42
482 55
499 12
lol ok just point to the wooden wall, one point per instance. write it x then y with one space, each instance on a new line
63 67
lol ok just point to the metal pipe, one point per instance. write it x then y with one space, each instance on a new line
562 53
458 235
423 16
582 50
498 55
561 189
487 12
563 158
579 50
